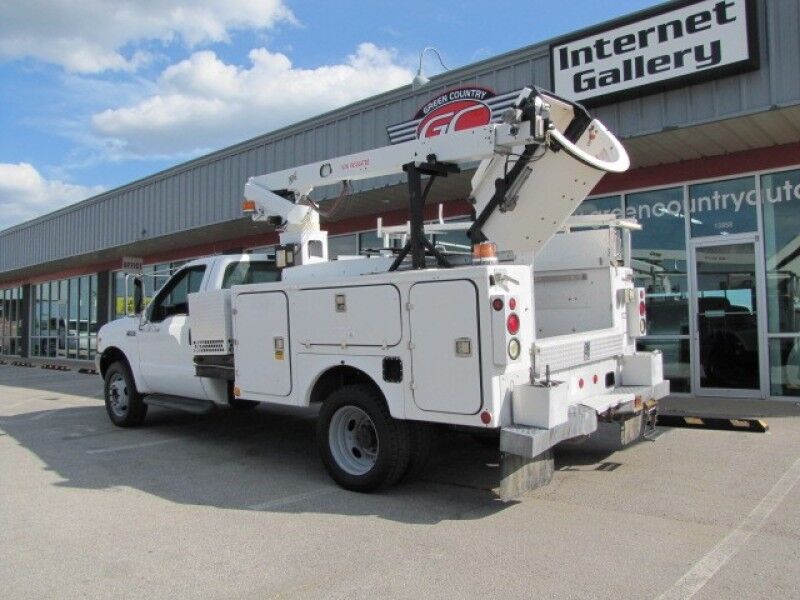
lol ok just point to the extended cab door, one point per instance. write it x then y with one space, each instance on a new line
165 350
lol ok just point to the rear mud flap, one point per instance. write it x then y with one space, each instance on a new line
527 452
521 475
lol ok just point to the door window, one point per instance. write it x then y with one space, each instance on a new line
173 299
727 320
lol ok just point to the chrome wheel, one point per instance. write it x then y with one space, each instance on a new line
353 440
118 397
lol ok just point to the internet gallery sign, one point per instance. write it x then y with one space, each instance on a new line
692 41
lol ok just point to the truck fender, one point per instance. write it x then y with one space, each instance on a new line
113 354
332 372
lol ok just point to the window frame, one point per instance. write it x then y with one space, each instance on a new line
167 289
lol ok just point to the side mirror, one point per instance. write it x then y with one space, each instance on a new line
138 296
133 304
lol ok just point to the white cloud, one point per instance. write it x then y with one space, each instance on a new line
204 103
25 194
91 36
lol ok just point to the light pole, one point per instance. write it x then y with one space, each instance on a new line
420 79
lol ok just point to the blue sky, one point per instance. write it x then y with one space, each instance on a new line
97 93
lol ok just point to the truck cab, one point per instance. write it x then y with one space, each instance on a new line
156 344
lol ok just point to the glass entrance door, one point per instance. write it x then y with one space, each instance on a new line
727 341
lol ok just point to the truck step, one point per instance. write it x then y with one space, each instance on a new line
192 405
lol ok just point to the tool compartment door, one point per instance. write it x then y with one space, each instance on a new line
261 353
446 353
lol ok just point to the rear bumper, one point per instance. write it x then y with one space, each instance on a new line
530 442
622 405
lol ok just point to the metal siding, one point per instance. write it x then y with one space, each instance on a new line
208 190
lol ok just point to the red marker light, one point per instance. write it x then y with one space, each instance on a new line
497 304
512 324
512 303
486 417
642 308
594 379
580 383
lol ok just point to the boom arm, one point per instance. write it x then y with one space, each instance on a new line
570 152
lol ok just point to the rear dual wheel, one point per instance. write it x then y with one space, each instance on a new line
362 447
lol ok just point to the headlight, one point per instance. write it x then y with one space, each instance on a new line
514 348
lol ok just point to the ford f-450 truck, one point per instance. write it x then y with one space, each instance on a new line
532 334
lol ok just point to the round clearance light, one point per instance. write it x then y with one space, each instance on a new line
580 383
594 379
642 308
497 304
512 303
512 324
486 417
514 348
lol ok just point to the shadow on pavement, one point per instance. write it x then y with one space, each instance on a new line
265 459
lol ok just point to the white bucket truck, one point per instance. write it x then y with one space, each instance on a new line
532 335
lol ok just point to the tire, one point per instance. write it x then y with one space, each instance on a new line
423 437
362 447
124 403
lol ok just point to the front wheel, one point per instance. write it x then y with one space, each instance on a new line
362 447
124 404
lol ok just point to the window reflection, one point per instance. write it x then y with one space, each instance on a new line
781 196
65 318
601 206
723 207
659 258
11 303
784 361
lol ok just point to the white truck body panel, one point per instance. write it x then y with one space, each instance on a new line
212 325
263 345
446 347
365 315
166 358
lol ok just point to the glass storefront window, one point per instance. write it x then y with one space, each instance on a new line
65 318
11 307
601 206
780 193
784 366
659 258
723 207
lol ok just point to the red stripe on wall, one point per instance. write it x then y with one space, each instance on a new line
725 165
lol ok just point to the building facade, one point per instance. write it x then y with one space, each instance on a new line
704 94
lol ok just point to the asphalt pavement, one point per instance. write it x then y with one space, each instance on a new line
237 505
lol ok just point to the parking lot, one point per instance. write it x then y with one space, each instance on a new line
238 505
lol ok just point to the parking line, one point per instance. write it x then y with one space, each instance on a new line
286 500
132 446
705 568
